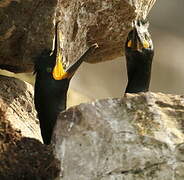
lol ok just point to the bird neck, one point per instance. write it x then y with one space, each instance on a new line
139 73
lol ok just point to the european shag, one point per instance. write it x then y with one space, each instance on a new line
51 86
139 55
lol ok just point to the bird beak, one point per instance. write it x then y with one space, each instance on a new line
73 67
58 71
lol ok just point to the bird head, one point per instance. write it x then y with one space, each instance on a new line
52 61
60 73
139 39
43 62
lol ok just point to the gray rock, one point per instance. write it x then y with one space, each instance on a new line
27 28
138 137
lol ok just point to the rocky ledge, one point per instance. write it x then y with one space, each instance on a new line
138 136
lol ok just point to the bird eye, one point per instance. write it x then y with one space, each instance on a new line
49 70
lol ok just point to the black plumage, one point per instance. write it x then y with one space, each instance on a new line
139 55
50 94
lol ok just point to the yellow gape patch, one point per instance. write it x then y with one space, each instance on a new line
58 71
129 43
145 44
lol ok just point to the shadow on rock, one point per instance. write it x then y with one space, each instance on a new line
24 158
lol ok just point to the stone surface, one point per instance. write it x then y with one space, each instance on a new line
22 155
105 22
137 137
17 104
27 28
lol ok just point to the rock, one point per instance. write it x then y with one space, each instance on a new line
106 23
17 106
138 137
74 98
27 28
22 155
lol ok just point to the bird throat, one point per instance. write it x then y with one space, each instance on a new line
58 71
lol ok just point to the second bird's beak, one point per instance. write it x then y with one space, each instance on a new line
58 71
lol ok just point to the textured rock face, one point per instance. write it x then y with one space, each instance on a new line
22 155
27 28
16 103
137 137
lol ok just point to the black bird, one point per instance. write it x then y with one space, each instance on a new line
51 86
139 55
